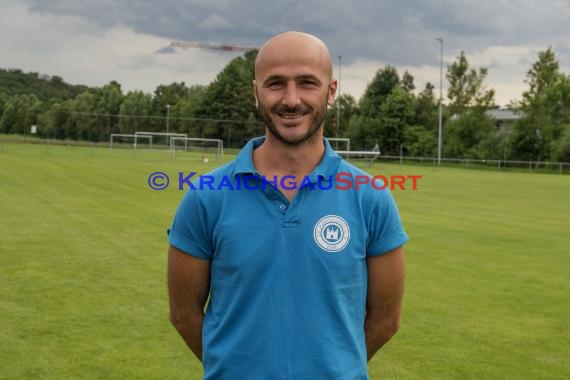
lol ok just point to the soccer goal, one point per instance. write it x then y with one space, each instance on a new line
368 156
161 139
196 148
336 141
125 140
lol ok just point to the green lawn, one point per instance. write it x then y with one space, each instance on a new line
83 258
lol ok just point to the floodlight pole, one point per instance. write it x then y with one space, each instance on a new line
338 96
439 140
167 116
167 120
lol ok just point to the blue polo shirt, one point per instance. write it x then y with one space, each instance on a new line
288 279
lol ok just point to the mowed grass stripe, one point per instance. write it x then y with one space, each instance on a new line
82 269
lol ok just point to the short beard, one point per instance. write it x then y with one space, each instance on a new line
317 123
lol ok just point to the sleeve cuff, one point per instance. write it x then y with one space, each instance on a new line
186 246
387 244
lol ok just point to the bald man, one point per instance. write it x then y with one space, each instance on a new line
304 279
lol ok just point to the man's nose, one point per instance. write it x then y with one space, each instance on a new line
291 95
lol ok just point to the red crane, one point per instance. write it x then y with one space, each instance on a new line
201 45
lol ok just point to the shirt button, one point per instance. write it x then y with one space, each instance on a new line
282 207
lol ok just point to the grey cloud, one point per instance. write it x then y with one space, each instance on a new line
214 22
397 32
166 50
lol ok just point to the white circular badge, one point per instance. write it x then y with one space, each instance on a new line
332 233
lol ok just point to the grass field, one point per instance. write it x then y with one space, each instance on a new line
83 266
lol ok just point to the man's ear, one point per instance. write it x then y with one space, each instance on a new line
332 92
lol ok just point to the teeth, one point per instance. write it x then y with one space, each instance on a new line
291 115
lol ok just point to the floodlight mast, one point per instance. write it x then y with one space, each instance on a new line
201 45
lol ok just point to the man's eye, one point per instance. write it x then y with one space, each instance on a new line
308 83
274 84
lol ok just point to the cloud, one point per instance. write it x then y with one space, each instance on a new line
88 53
166 50
505 36
214 22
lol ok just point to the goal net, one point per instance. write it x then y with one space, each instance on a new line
194 148
124 140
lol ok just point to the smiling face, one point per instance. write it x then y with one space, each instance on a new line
293 86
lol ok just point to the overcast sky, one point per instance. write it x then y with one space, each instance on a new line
95 41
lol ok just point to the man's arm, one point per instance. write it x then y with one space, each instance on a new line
188 289
384 298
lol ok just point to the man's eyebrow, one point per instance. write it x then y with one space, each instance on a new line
309 77
276 77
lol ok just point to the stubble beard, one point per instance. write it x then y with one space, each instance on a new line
316 124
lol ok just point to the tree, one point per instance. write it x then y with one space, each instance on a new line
385 80
407 82
109 103
545 107
543 74
420 138
16 82
57 120
228 102
165 95
471 135
348 110
82 123
397 114
466 88
426 111
20 113
562 146
135 110
365 128
419 141
468 125
184 111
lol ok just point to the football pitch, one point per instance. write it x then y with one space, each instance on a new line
83 270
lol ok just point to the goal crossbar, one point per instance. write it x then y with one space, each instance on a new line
219 144
372 155
135 137
162 134
166 134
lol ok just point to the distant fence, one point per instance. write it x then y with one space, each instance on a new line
499 165
504 165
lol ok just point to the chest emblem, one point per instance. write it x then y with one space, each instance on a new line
331 233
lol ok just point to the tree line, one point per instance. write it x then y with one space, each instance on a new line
390 113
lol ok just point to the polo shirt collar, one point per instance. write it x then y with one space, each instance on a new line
327 167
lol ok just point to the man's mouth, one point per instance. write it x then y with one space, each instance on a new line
290 116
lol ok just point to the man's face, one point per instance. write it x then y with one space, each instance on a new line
293 88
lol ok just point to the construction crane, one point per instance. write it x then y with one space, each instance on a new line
201 45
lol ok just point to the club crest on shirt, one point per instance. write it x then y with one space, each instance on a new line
331 233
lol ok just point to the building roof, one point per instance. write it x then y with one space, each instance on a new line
504 114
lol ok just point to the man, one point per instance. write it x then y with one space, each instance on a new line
301 283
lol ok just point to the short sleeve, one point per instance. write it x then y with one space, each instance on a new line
385 227
189 231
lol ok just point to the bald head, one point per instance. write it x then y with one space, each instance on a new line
293 47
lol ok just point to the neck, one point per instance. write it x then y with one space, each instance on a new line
274 157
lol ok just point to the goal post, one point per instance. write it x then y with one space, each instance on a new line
337 140
165 135
135 138
369 156
195 147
